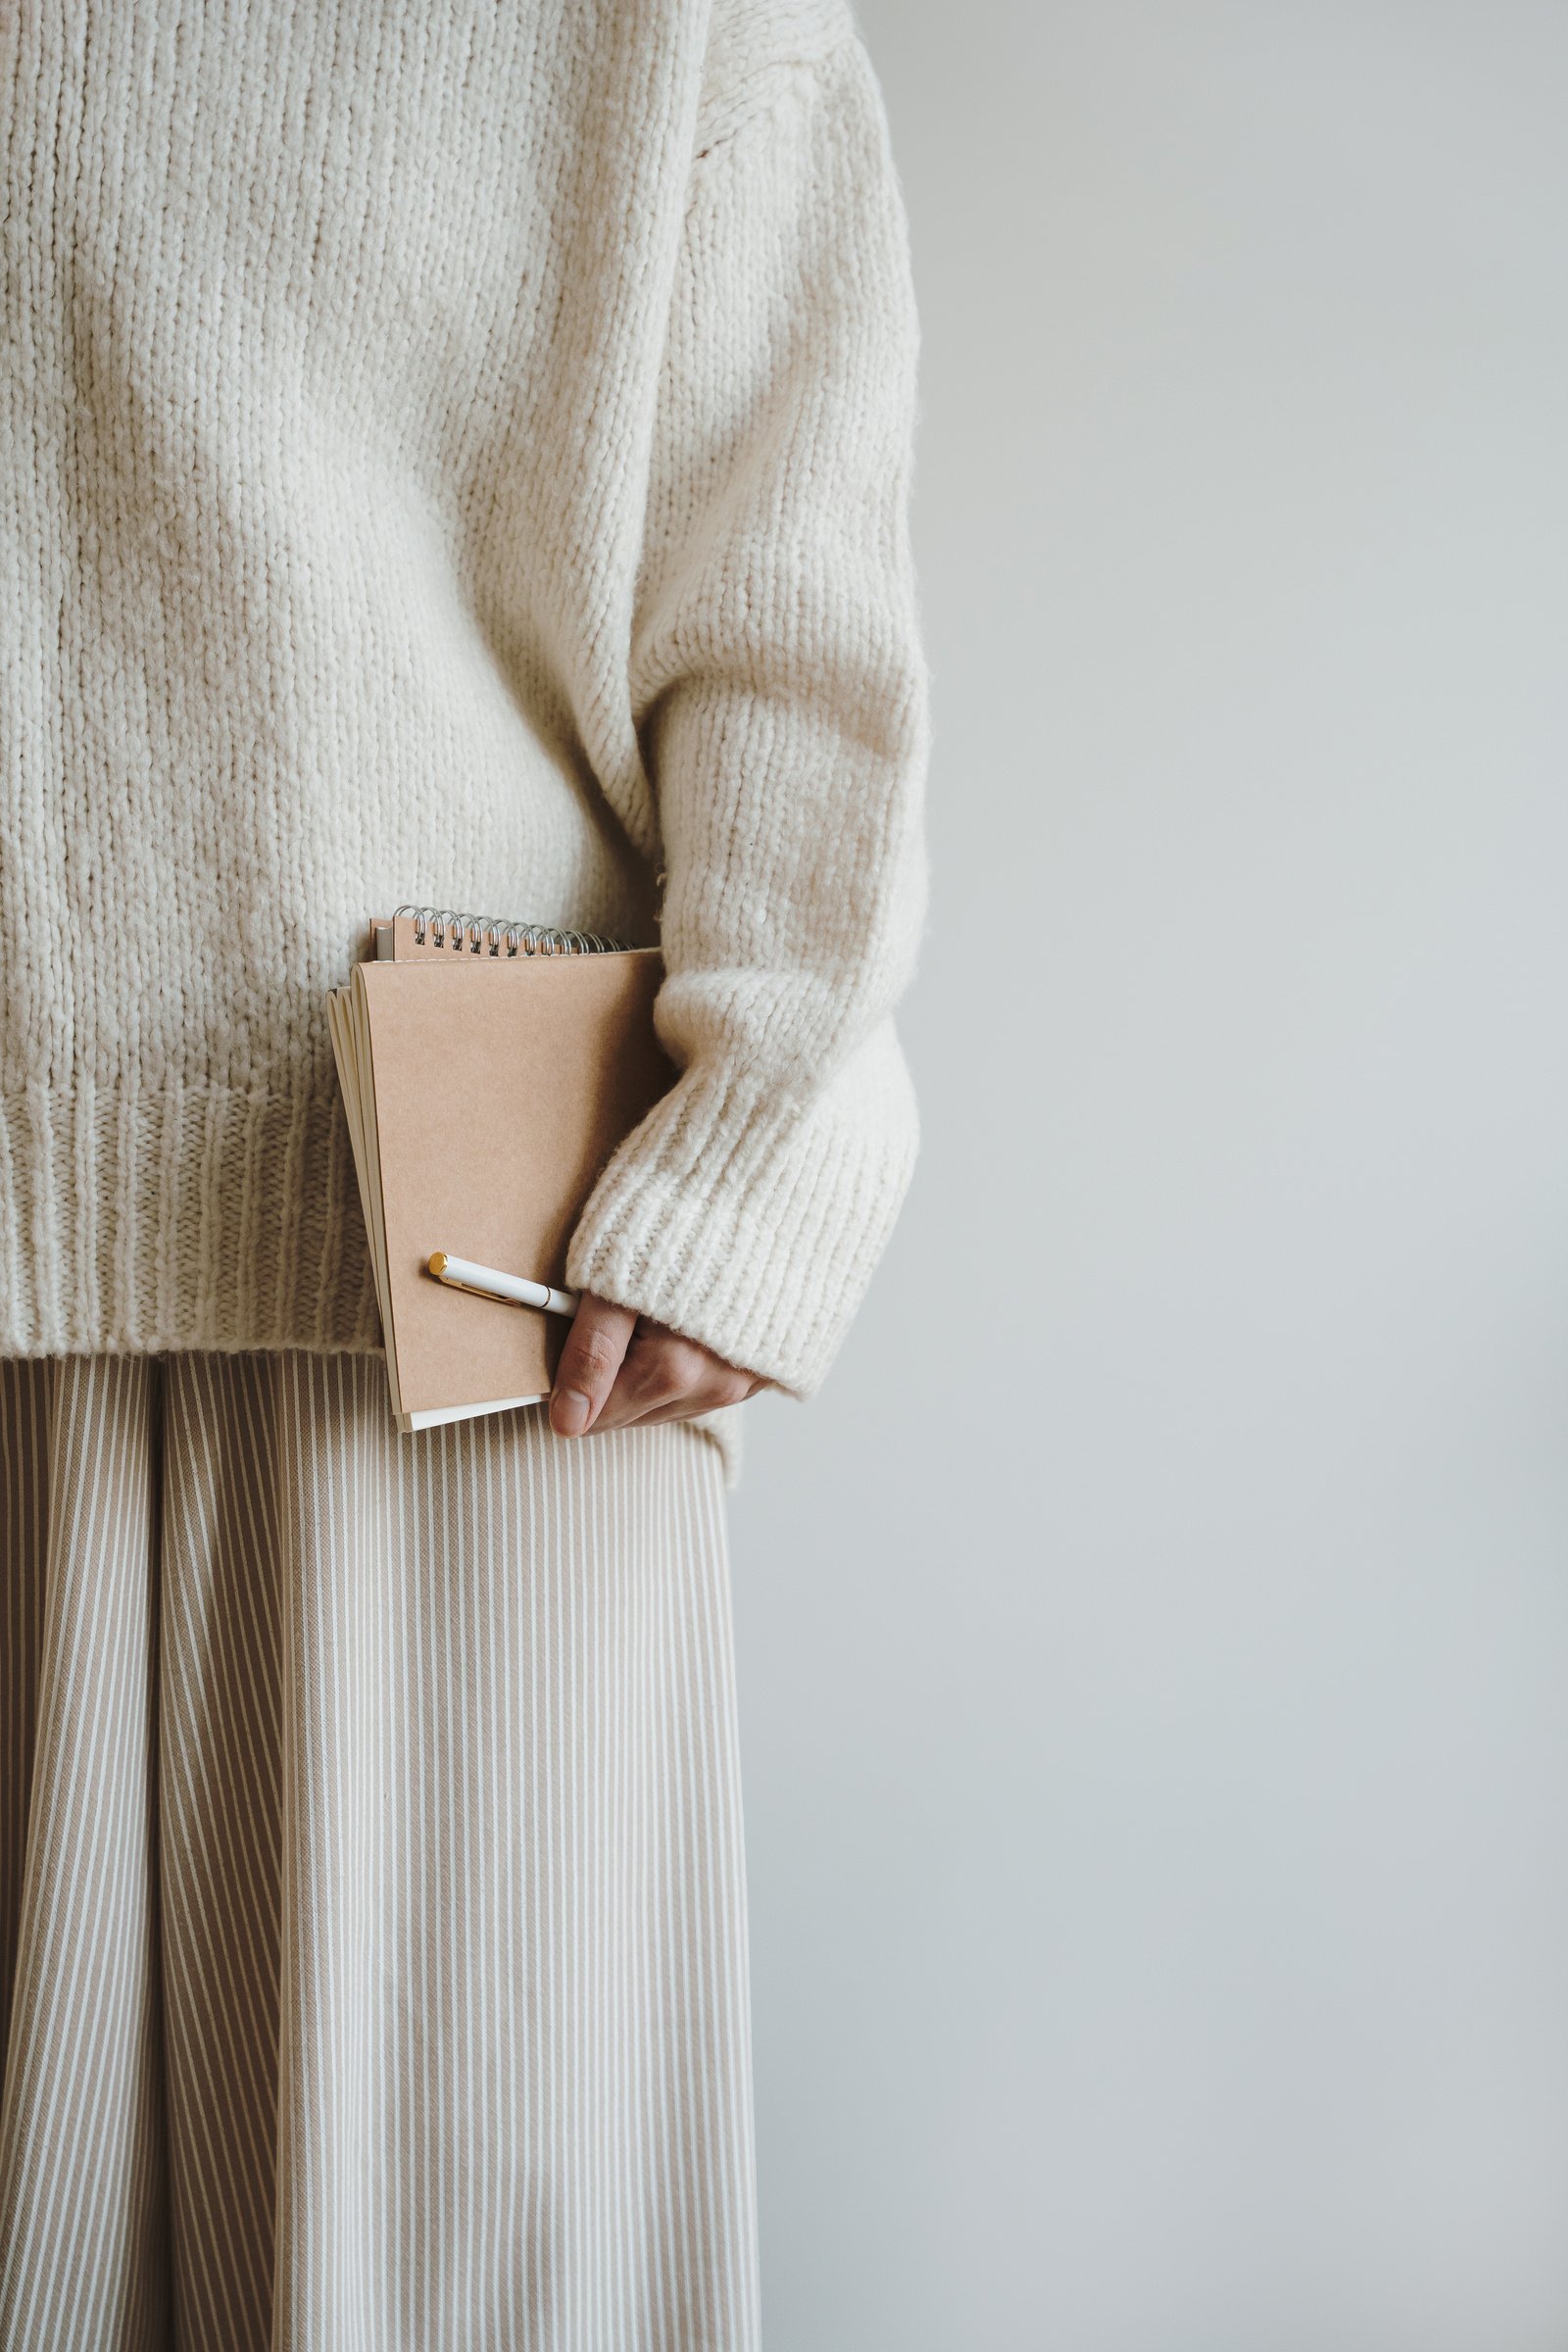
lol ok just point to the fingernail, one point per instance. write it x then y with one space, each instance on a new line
570 1416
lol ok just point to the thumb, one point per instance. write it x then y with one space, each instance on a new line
595 1350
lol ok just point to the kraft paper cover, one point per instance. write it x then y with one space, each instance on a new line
501 1089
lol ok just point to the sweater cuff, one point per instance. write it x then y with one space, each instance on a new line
751 1227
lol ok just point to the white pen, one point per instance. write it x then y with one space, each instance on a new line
461 1275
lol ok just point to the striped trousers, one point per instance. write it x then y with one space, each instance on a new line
372 1936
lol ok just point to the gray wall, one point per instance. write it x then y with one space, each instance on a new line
1154 1639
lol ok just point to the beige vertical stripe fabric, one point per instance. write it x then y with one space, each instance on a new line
372 1901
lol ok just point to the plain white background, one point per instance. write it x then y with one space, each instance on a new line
1154 1639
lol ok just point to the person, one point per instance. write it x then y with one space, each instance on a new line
455 455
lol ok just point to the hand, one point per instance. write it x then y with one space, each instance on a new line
617 1368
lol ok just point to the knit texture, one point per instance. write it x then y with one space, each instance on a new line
457 453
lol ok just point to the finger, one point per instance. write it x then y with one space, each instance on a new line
730 1388
592 1356
667 1375
660 1367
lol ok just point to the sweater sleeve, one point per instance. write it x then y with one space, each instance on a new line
781 702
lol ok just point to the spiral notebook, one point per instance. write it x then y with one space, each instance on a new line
489 1069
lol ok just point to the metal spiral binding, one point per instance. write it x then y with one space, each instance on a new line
493 935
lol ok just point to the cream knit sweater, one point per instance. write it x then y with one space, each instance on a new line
452 453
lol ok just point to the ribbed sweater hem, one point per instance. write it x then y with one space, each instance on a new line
137 1218
143 1220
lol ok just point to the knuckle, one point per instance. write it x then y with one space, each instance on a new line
710 1395
591 1358
651 1374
